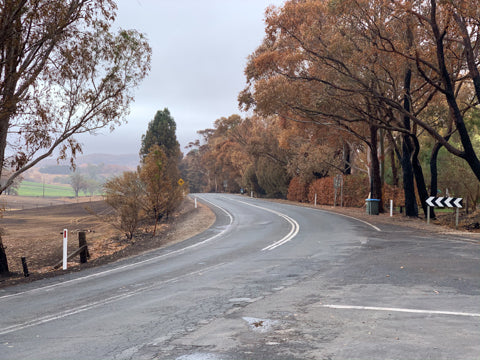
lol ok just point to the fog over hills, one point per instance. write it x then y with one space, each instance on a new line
125 160
93 166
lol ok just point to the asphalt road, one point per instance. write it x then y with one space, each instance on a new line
267 281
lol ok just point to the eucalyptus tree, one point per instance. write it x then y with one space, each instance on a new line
63 71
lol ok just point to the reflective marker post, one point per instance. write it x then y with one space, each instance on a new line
65 243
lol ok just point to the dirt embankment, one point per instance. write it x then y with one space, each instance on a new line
36 233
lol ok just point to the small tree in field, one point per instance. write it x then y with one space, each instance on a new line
126 194
157 185
78 182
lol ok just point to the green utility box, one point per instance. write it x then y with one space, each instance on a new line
372 206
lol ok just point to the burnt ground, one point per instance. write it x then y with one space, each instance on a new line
36 233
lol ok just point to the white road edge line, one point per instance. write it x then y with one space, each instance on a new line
414 311
293 231
92 305
335 213
348 216
120 268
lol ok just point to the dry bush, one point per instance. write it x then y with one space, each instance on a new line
394 193
355 191
297 190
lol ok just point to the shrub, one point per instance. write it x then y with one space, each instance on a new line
355 191
297 190
126 194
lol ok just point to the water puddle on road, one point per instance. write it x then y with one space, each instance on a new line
260 325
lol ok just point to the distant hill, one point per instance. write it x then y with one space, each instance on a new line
129 160
98 166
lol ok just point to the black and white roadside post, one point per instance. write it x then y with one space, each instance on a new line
65 249
445 201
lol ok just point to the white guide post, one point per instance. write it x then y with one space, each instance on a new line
391 208
315 199
195 203
65 243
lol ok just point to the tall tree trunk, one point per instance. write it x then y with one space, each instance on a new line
394 167
408 183
419 178
469 152
411 208
3 259
434 169
347 159
375 178
382 155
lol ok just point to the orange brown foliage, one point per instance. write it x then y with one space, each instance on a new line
297 190
355 191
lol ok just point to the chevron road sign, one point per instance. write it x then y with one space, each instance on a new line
446 201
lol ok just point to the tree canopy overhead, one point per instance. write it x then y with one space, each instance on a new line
62 72
373 68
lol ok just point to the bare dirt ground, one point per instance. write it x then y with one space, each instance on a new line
36 233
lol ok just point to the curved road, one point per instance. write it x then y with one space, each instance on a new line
267 281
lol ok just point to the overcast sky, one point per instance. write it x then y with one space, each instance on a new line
199 54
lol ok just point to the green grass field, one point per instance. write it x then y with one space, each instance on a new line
28 188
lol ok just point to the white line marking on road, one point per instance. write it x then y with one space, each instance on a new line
92 305
414 311
335 213
351 217
124 267
293 231
222 209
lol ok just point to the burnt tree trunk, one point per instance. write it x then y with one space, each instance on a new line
3 259
419 178
468 154
411 208
375 178
347 169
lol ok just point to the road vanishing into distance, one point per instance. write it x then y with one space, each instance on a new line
267 281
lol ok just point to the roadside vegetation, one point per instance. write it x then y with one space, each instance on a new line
372 98
64 71
155 190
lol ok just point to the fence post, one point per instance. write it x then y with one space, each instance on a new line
25 267
82 241
456 218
